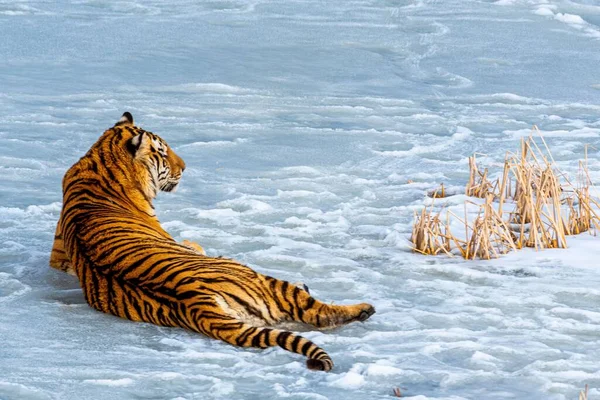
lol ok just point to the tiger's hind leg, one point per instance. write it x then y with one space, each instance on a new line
238 333
302 307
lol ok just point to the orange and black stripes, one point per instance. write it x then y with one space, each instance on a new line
129 266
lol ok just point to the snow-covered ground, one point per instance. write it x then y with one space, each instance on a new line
301 123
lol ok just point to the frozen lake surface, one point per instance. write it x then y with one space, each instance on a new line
301 123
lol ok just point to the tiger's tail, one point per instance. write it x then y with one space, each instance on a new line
241 334
318 359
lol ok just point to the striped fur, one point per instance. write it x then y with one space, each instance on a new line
109 237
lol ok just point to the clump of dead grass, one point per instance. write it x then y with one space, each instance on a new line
547 207
490 236
429 235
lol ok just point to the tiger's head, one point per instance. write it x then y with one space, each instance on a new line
162 166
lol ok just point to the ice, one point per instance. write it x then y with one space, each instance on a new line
311 132
11 288
570 19
352 379
110 382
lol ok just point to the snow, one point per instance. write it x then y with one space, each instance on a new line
110 382
311 132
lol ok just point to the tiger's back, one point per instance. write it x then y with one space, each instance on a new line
110 238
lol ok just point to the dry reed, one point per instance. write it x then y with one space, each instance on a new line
583 395
429 235
478 185
438 193
490 236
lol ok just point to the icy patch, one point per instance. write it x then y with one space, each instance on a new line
579 133
545 10
573 20
301 170
214 88
11 288
352 379
244 204
15 10
462 133
111 382
384 370
213 143
16 391
499 99
569 19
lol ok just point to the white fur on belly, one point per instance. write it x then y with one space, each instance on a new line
238 312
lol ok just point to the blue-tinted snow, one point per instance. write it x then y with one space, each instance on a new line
301 123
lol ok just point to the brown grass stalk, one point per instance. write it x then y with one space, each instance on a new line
438 193
583 395
478 185
429 235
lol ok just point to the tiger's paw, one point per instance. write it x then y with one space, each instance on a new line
363 312
366 313
194 246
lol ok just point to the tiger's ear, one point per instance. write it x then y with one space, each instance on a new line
126 119
137 143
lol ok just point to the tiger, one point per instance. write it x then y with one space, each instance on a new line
109 237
